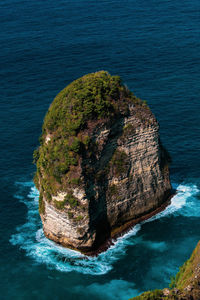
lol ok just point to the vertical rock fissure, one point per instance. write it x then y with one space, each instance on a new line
99 223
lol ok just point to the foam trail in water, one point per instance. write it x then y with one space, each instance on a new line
30 237
185 197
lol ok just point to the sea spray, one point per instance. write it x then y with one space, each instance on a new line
185 196
30 238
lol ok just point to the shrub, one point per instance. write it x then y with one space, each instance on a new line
48 196
144 103
36 155
113 190
75 145
74 181
70 214
119 162
86 140
73 201
36 180
41 204
128 129
79 218
59 204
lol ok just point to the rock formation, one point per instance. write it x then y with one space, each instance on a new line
101 165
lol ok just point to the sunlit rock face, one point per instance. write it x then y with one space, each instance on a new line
100 164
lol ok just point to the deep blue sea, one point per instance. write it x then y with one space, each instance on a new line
155 47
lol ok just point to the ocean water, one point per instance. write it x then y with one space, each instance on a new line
155 47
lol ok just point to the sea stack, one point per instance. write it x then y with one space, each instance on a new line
100 166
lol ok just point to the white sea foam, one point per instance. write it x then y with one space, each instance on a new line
182 201
30 237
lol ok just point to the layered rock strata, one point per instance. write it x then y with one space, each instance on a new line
100 164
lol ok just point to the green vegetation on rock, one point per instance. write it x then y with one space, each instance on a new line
186 272
185 285
88 97
79 218
41 204
67 132
119 162
113 190
59 204
69 199
150 295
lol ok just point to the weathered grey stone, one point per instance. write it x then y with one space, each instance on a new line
111 198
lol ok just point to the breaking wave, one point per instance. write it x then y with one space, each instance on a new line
30 238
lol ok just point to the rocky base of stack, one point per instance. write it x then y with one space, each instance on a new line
93 249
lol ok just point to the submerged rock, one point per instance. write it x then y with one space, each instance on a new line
101 166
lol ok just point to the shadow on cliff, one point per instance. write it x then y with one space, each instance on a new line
95 172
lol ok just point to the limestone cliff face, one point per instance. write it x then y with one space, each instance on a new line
120 171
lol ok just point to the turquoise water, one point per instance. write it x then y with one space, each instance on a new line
155 47
143 258
30 236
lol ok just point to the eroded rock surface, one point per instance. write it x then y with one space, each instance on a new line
100 164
